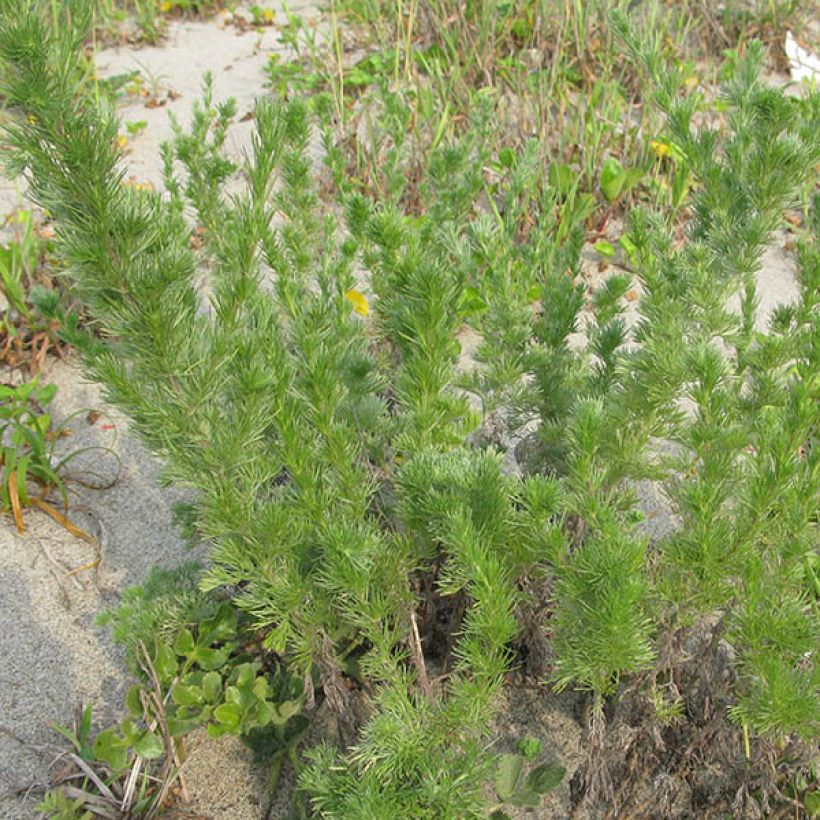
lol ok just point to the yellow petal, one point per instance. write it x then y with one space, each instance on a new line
359 302
661 149
122 141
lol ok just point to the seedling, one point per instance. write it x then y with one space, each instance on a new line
262 15
28 329
616 181
134 127
30 466
524 790
28 448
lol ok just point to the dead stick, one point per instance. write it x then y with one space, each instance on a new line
418 658
160 715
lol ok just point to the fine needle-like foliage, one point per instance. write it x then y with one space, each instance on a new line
297 369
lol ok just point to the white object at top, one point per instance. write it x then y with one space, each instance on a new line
803 64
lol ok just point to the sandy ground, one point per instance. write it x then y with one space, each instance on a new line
52 655
173 74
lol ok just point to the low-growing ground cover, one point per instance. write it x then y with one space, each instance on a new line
373 558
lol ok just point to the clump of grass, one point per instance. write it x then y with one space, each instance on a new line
29 326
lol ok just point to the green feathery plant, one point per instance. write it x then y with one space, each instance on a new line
266 397
746 476
306 395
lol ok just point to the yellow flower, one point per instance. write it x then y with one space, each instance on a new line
359 302
165 7
267 15
32 119
661 149
122 141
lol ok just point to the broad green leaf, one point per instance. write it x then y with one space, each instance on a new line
216 730
46 393
130 731
211 659
228 714
630 248
133 701
508 775
165 662
526 798
184 643
561 177
212 686
245 674
545 778
631 178
233 695
178 727
288 708
149 746
583 207
612 178
220 627
260 688
110 748
187 695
